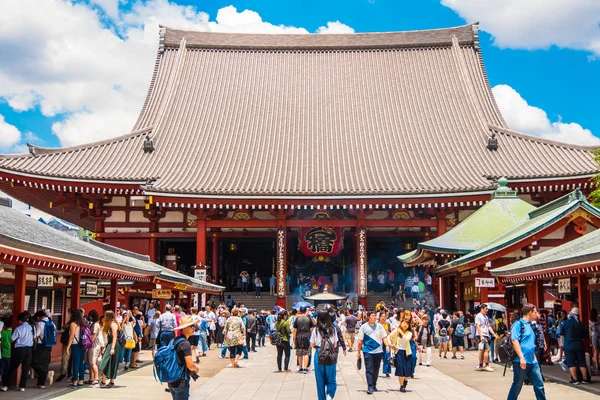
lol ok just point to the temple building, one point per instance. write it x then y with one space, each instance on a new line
320 155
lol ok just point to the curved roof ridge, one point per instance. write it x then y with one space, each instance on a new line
538 139
364 40
40 151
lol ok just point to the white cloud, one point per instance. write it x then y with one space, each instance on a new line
335 27
9 134
535 24
61 57
525 118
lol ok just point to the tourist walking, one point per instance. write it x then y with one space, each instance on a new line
180 389
251 330
425 341
211 320
575 332
443 331
399 340
261 321
166 324
112 352
194 338
22 339
272 281
257 286
284 331
387 368
235 337
457 329
595 338
484 335
324 339
525 364
43 347
303 326
93 353
350 324
75 347
131 340
370 347
154 330
5 352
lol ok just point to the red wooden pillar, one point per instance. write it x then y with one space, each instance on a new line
443 287
459 294
19 294
201 239
281 263
215 259
176 300
441 223
152 248
114 289
361 262
583 298
75 290
161 305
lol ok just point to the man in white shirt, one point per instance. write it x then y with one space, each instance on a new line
41 354
167 323
211 319
22 338
370 346
484 333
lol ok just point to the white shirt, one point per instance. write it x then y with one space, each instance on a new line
376 333
23 335
482 322
150 314
39 329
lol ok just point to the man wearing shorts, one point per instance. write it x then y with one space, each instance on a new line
484 334
350 324
303 326
458 336
443 330
575 332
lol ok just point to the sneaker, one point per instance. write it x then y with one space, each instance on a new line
402 389
21 389
50 378
488 369
454 357
40 387
445 358
60 378
370 390
428 365
478 368
221 357
462 357
440 357
72 386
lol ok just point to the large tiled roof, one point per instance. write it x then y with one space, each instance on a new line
403 113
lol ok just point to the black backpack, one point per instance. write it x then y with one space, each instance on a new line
64 337
501 328
275 338
328 352
506 350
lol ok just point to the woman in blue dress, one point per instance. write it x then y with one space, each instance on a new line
400 341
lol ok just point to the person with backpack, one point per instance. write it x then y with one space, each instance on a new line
457 329
184 368
525 364
22 339
280 337
79 337
324 339
45 339
501 330
443 329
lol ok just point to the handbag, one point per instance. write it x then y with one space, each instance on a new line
392 360
129 343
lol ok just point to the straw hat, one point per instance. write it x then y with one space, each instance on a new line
186 321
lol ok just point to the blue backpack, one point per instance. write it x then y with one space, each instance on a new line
166 363
49 339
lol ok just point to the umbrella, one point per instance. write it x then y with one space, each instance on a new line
303 304
496 307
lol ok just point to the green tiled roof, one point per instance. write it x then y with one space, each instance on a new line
503 212
539 219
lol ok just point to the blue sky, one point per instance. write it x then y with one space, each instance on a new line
542 63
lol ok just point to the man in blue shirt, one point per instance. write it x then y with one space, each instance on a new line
525 363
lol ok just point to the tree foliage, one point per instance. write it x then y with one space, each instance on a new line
594 197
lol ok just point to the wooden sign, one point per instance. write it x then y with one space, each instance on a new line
45 281
564 286
485 282
161 293
180 286
100 292
91 289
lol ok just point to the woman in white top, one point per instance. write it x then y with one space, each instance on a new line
399 341
93 353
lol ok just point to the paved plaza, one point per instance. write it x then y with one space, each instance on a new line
257 379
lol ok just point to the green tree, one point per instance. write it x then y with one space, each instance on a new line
594 197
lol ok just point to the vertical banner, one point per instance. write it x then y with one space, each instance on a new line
362 261
281 260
